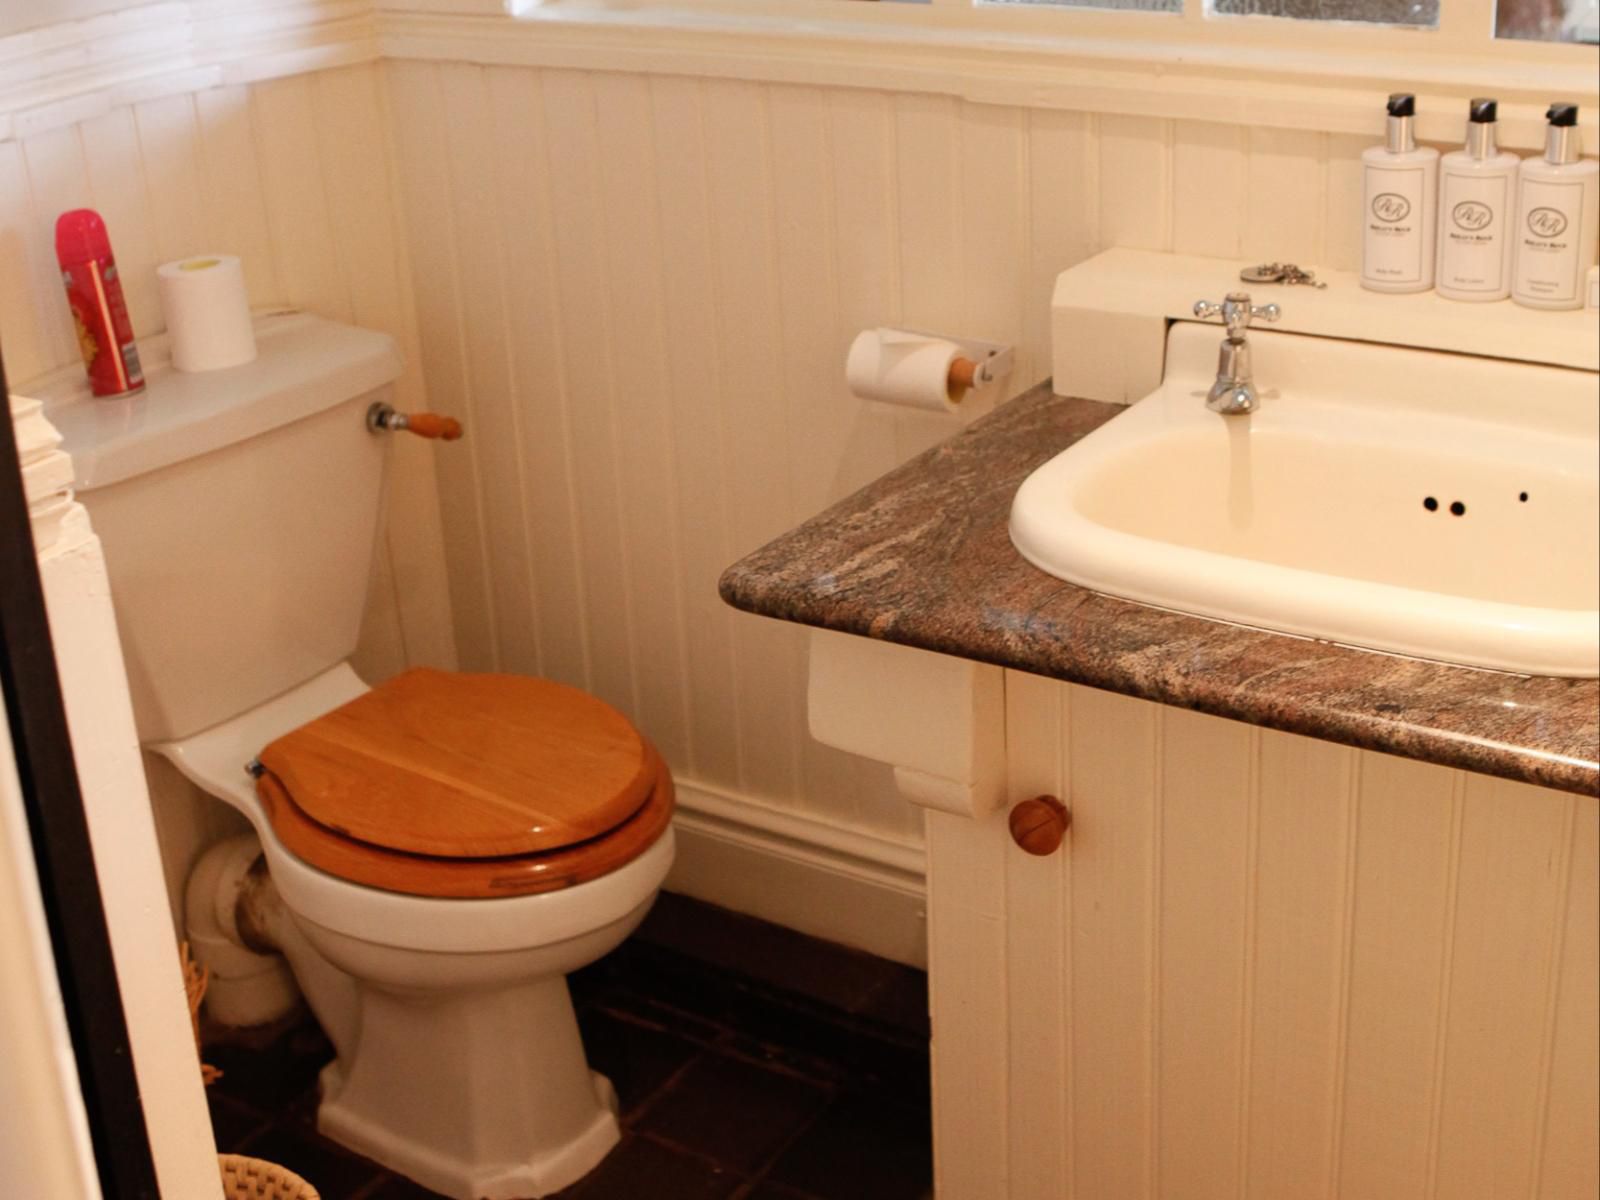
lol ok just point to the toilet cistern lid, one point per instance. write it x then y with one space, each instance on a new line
466 766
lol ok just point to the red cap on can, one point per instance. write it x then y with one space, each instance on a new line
80 236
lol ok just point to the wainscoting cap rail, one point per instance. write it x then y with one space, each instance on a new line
1324 83
60 74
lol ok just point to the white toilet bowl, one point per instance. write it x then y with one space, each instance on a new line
459 1062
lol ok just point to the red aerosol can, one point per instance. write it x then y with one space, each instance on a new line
105 335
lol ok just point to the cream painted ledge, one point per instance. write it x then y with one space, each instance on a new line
1109 317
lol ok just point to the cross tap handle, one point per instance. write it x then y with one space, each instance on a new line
1236 312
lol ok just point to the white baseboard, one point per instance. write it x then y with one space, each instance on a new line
844 885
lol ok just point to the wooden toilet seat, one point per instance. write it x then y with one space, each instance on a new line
453 785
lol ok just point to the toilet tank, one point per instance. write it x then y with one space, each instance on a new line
239 513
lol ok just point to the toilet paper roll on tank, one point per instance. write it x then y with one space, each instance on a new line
208 312
921 370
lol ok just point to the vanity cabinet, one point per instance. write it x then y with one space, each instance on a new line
1260 965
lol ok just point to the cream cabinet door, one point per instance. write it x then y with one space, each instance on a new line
1260 966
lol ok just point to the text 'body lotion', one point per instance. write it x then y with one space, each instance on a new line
1557 201
1477 206
1400 194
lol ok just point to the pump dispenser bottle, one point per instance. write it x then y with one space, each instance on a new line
1558 211
1400 195
1477 202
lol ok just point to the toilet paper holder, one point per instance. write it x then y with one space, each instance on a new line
979 365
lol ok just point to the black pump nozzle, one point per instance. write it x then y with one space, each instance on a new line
1562 114
1402 104
1483 111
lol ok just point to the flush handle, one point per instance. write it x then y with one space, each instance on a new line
428 425
1038 825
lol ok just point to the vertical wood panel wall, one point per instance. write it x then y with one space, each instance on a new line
297 177
642 289
1261 967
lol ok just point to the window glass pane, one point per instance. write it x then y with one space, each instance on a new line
1171 6
1550 20
1376 12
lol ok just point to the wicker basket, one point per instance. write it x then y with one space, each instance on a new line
245 1178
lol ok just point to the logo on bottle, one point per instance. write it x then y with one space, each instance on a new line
1472 216
1390 207
1547 222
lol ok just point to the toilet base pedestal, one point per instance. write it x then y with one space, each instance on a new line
476 1096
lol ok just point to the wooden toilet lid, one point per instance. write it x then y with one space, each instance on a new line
453 765
468 878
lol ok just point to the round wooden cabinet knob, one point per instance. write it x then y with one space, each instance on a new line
1038 825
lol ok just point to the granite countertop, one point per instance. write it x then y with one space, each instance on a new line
922 557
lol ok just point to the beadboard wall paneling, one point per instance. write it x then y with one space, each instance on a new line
1263 966
293 175
297 176
641 288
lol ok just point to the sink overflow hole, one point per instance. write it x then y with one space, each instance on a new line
1458 508
1430 504
1523 496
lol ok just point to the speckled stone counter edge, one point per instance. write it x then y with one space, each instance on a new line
922 557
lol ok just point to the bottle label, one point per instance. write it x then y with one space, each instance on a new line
105 335
1547 250
1393 245
1472 232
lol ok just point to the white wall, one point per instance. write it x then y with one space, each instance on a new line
128 863
294 175
638 289
44 1141
642 287
18 15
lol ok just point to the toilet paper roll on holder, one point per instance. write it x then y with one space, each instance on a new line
978 364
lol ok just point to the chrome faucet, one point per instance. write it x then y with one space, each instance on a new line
1234 391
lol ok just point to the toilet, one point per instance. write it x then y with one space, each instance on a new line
436 853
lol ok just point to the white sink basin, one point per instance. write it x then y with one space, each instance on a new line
1311 515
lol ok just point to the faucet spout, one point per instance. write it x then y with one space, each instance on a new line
1234 391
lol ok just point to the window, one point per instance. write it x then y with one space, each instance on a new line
1421 13
1124 5
1549 20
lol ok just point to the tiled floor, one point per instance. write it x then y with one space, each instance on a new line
751 1063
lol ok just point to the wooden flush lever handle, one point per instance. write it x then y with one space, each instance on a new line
428 425
1038 825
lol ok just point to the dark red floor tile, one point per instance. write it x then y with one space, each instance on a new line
900 1002
395 1188
272 1075
866 1146
637 1057
333 1171
766 1190
233 1122
770 954
643 1169
732 1112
